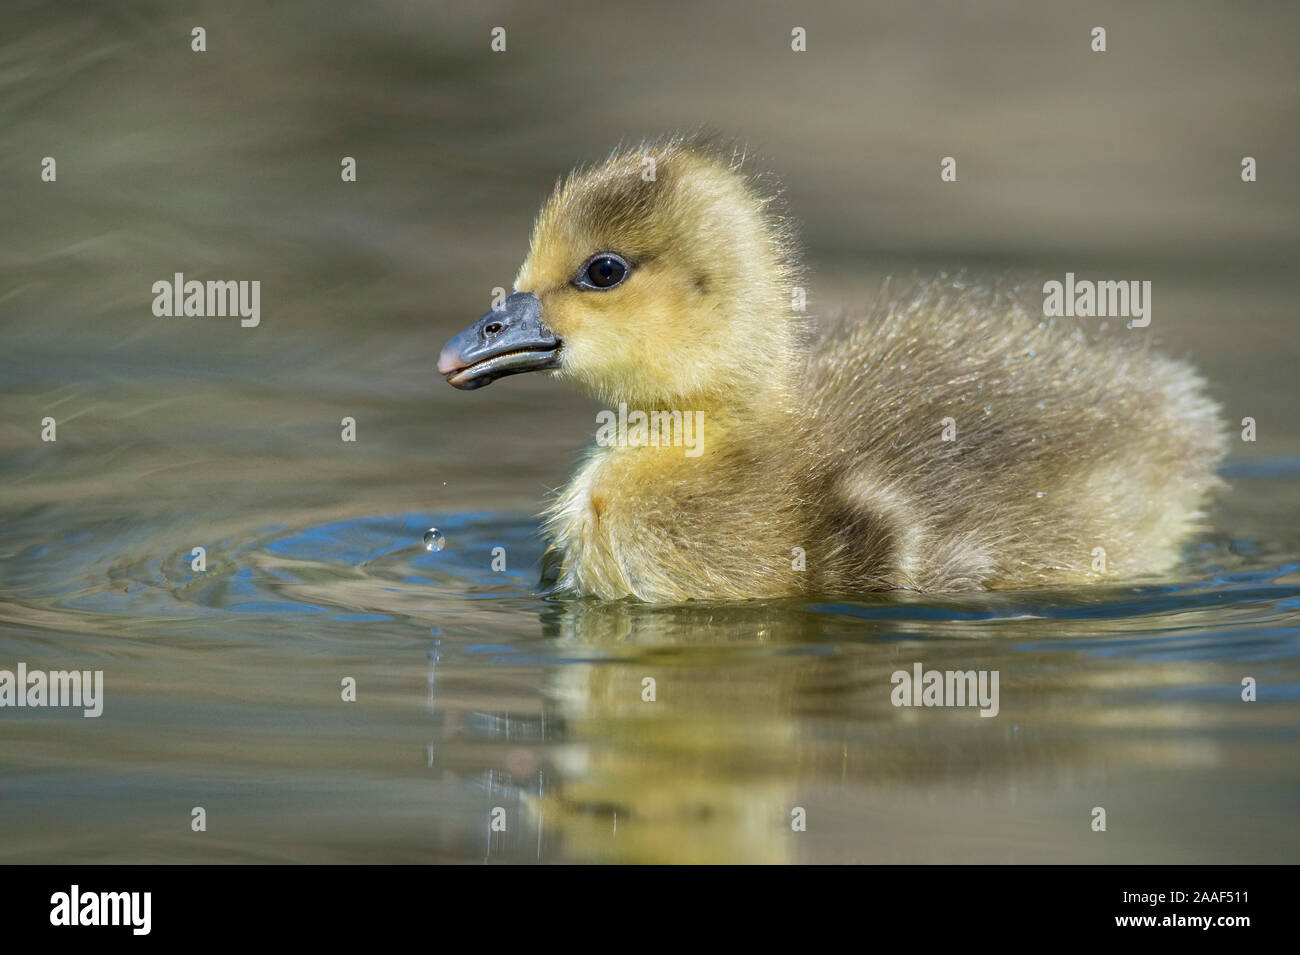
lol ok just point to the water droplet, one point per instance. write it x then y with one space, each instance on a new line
433 539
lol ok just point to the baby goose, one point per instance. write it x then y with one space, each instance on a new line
661 280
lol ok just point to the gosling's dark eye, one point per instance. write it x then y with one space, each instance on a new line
604 271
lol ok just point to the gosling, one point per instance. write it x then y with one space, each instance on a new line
939 442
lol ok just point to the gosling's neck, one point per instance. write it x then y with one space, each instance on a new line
720 418
748 388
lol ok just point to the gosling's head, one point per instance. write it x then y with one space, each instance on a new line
660 277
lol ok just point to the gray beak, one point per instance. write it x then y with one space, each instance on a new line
506 342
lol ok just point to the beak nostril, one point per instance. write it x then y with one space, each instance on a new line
492 328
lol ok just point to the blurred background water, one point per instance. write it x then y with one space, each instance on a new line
474 691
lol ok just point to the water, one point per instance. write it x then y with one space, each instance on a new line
225 688
474 691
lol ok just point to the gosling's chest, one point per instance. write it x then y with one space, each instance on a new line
610 532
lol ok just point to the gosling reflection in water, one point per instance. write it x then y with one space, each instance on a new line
711 733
